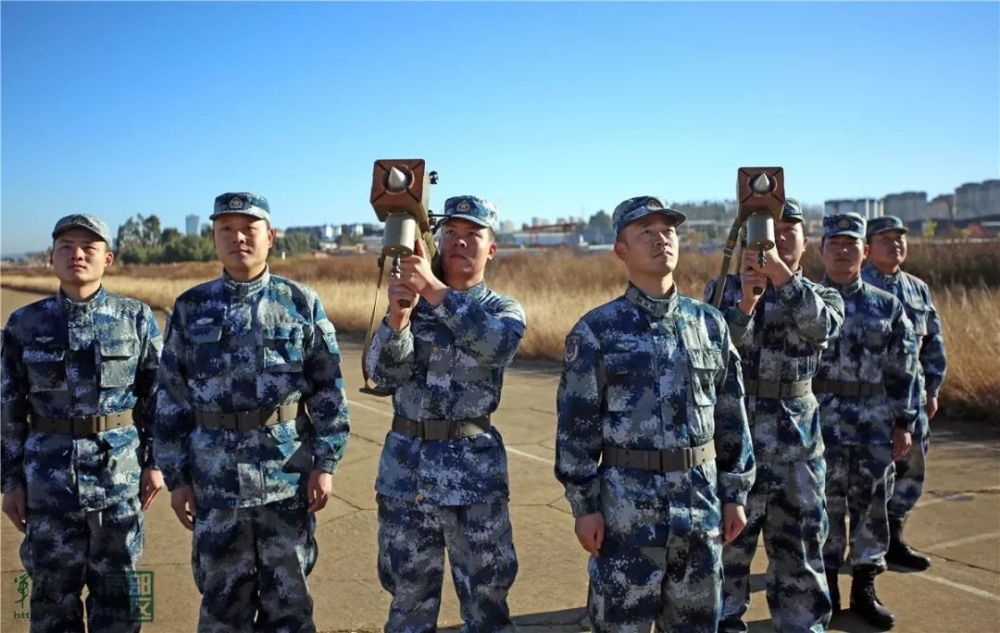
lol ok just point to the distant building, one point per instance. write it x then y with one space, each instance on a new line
865 207
323 232
909 205
353 230
507 226
975 199
940 208
191 224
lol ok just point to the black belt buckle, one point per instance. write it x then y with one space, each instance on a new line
688 454
80 427
435 430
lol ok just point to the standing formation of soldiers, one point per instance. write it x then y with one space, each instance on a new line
683 431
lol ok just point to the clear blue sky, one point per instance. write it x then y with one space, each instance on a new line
547 109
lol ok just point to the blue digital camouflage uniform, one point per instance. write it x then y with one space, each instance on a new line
447 364
866 386
73 359
250 347
781 343
916 298
653 374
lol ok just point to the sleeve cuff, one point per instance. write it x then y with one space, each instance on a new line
325 464
792 291
583 499
11 484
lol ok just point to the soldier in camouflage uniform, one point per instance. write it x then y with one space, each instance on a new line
780 335
653 445
442 479
79 371
868 407
887 252
251 423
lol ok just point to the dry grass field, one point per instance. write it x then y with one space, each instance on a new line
557 287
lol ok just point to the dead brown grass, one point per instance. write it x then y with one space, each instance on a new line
557 287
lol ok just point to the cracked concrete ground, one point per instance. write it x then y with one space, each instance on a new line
957 523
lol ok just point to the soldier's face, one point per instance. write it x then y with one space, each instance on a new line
466 247
80 257
649 245
843 256
242 243
888 250
791 242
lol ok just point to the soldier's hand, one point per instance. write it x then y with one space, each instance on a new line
775 269
901 443
15 506
734 519
590 532
399 317
150 485
320 488
932 407
184 504
416 273
750 279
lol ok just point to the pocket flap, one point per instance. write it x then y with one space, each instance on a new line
120 348
624 363
705 358
205 333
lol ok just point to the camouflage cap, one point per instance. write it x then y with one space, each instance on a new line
792 212
885 223
641 206
242 202
471 208
850 224
91 223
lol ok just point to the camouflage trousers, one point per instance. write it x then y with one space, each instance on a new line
98 548
858 482
412 538
787 503
250 565
677 586
910 473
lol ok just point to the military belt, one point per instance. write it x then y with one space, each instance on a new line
85 425
849 388
777 390
441 429
248 420
664 461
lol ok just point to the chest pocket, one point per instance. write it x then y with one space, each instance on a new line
877 333
283 349
630 380
46 367
206 349
706 363
119 359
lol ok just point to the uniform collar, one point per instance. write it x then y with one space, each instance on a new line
877 274
75 309
846 290
242 289
476 292
655 307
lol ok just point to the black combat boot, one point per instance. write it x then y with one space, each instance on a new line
865 603
831 580
900 553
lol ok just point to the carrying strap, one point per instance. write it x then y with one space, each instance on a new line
369 388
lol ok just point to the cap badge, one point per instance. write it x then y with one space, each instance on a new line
844 223
463 207
236 202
